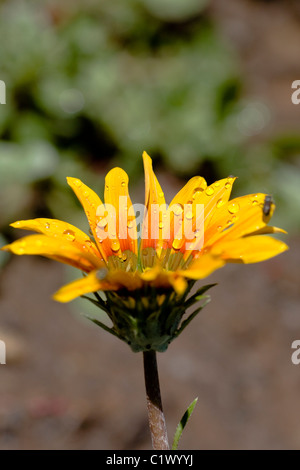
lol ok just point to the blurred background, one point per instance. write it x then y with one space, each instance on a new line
204 86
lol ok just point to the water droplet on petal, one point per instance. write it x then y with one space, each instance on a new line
254 202
176 245
161 225
70 235
219 228
209 191
233 208
178 209
115 246
234 218
123 184
220 203
197 233
130 224
197 192
124 257
161 194
189 215
77 183
217 184
47 225
88 243
227 185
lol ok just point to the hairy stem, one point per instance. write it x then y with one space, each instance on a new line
156 417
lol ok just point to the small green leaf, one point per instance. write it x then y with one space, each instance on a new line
183 422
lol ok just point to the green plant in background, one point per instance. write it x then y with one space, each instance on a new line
97 81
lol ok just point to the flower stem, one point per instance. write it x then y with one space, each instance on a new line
156 417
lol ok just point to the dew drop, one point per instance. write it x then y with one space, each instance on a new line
88 243
70 235
234 218
176 245
178 209
130 224
220 203
123 184
189 215
219 228
124 257
47 225
115 246
77 183
217 184
197 192
227 185
233 208
161 194
254 202
161 225
210 191
197 233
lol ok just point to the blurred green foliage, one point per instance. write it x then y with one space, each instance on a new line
93 84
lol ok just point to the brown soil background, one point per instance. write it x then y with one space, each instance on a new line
69 385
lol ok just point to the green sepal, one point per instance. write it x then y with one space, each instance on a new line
149 318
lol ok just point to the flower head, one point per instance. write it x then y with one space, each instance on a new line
148 268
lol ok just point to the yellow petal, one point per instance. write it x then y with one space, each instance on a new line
116 194
239 217
202 267
57 249
152 234
95 213
251 249
90 283
61 231
214 195
98 280
185 200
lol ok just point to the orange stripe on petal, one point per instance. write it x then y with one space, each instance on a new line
185 200
152 233
117 196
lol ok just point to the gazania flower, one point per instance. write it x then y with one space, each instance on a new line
147 278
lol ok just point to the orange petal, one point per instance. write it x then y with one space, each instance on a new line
60 231
58 249
95 213
152 233
116 194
